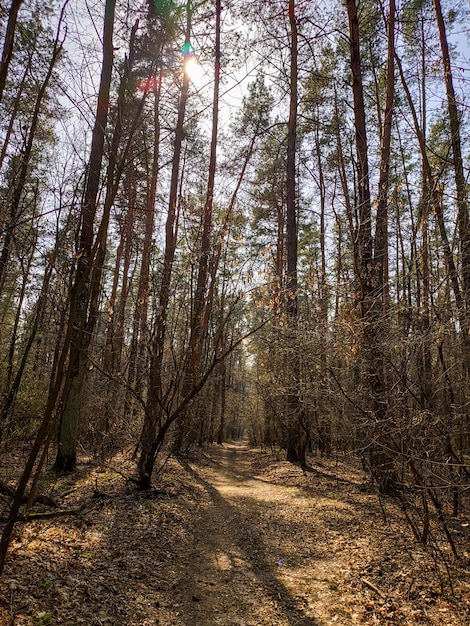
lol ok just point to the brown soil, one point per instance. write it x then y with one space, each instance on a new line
233 536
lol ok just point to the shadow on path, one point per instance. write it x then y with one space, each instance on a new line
233 578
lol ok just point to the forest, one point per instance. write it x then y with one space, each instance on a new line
239 221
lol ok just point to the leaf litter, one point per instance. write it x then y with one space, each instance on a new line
228 536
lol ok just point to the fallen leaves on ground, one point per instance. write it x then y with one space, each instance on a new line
230 536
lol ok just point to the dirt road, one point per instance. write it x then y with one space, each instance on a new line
256 558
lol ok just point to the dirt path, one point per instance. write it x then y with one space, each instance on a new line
278 547
241 566
233 537
255 558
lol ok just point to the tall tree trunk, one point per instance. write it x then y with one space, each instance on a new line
25 278
424 359
350 210
291 200
47 422
463 219
26 158
296 442
8 43
198 328
68 433
138 355
437 206
153 431
125 274
140 329
116 324
111 360
323 420
14 112
223 403
12 383
381 227
372 266
71 412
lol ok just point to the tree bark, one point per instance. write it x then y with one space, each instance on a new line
8 43
66 452
463 219
139 333
153 431
296 437
198 327
381 227
372 256
71 412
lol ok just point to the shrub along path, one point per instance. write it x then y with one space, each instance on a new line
232 536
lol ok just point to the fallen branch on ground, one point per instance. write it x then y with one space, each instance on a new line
373 587
29 517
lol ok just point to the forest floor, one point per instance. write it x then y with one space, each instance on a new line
232 536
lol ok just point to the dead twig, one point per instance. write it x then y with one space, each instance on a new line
371 585
43 515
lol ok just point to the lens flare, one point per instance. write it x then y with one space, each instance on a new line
194 71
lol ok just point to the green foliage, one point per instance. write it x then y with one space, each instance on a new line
257 107
309 237
413 15
164 8
321 79
440 144
167 12
42 619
